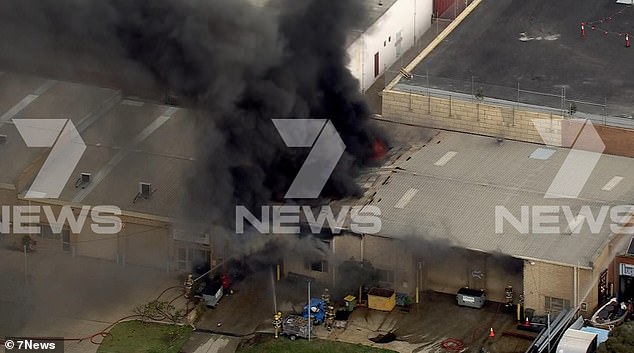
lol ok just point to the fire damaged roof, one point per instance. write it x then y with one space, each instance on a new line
127 142
444 187
449 189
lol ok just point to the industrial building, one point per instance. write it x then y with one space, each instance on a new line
438 207
118 158
524 101
391 29
438 198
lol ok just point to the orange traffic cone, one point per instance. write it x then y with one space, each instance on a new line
491 333
527 324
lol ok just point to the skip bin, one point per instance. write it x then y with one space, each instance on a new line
473 298
381 299
212 293
351 302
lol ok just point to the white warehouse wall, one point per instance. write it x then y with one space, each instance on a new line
411 18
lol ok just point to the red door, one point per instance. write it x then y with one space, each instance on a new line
440 6
376 64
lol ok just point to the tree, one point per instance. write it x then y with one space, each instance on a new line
621 340
159 311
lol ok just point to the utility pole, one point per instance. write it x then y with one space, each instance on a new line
549 338
25 275
308 306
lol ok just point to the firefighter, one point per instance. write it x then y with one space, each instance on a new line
277 323
508 295
189 283
326 297
226 284
330 317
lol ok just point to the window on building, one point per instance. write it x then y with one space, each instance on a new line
318 266
555 305
47 232
5 225
66 240
186 235
64 236
187 258
385 276
376 64
398 39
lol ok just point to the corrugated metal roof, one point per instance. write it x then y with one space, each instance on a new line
24 97
457 202
164 158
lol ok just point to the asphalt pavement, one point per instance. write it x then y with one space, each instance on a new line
538 45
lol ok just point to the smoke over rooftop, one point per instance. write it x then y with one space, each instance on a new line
240 64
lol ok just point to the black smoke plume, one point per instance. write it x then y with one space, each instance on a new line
240 64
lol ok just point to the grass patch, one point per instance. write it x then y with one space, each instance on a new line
140 337
284 345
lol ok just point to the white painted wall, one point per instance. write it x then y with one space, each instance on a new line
409 17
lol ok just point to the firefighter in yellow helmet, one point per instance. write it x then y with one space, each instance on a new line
330 317
326 297
277 323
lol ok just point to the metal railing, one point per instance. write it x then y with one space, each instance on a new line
556 101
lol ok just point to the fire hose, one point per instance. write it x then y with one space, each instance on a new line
452 344
106 332
456 345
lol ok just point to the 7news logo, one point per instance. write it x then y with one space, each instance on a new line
583 157
67 149
327 147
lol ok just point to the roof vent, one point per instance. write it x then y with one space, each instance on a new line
145 191
83 180
3 139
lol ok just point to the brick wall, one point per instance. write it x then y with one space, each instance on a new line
470 116
545 279
489 119
383 253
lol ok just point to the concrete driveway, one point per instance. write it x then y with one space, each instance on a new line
425 326
71 297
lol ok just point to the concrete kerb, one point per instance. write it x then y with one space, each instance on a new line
436 41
